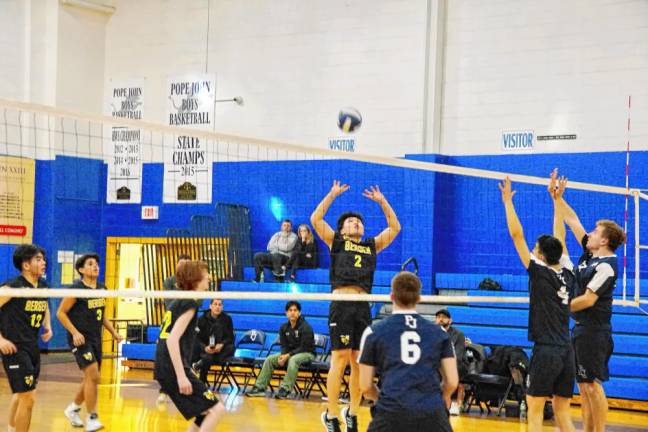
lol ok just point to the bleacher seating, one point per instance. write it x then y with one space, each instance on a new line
266 315
487 323
492 323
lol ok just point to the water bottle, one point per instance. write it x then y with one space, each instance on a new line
523 411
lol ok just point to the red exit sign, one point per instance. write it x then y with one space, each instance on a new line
150 212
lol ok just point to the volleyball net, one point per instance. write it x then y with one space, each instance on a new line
142 194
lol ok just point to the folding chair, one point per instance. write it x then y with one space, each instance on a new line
247 349
488 389
317 367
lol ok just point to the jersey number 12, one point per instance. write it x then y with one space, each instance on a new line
410 351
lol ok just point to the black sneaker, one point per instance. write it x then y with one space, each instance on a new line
282 393
330 425
351 421
255 392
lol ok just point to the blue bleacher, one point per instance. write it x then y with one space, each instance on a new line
319 276
266 315
487 323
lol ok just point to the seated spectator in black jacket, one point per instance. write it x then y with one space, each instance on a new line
215 339
305 253
444 319
297 347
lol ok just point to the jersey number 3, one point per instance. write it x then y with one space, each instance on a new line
166 322
410 351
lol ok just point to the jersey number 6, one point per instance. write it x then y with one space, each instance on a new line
410 351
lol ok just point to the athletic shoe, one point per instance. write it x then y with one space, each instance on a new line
73 415
282 393
351 421
162 398
255 392
93 424
454 409
330 425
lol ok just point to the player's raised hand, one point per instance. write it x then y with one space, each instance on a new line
560 188
374 194
7 347
338 188
505 187
553 183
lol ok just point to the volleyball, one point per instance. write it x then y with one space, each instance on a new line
349 119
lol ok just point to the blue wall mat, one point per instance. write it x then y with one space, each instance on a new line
462 245
453 224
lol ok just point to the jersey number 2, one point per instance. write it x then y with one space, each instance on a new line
166 322
410 351
358 261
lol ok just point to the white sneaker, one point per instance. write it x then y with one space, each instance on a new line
454 409
162 398
72 414
93 424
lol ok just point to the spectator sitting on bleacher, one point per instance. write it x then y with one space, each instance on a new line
280 248
444 319
305 253
297 347
215 339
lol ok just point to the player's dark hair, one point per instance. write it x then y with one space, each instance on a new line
406 288
346 215
183 257
292 303
551 248
613 233
189 273
81 261
24 253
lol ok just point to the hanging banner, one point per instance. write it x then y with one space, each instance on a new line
17 182
187 159
124 148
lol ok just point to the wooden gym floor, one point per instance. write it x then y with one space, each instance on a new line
127 403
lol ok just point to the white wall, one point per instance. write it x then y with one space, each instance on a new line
553 66
295 63
80 59
13 18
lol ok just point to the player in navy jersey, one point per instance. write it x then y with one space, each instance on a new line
84 319
596 275
175 349
353 262
551 372
409 352
20 322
